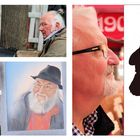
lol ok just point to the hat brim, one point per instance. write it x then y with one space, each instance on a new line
60 86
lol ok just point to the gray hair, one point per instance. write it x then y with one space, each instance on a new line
57 18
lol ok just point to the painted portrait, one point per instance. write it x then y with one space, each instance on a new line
35 98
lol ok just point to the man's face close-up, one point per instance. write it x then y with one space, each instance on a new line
43 97
90 73
92 70
46 26
44 89
95 72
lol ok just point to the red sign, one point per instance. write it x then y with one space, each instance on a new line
112 25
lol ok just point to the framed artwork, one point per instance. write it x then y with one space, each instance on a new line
34 99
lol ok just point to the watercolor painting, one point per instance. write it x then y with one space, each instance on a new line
35 98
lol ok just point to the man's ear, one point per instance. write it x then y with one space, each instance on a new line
58 25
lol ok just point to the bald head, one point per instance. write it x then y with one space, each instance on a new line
50 22
86 32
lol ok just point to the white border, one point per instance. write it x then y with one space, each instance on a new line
132 43
68 61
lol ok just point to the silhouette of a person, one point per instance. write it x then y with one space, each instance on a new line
135 84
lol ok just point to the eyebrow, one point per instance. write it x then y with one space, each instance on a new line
37 81
50 83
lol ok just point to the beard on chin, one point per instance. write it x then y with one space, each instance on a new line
44 106
111 86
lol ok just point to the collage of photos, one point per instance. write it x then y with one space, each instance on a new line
41 94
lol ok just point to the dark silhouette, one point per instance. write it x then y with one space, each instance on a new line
135 84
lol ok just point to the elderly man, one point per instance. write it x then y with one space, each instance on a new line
93 79
41 108
53 30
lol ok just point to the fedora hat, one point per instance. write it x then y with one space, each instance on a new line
50 73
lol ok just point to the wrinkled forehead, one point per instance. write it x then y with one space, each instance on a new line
86 32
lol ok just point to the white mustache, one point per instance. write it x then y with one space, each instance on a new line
43 106
40 94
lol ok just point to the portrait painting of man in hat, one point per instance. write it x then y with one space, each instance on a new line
41 107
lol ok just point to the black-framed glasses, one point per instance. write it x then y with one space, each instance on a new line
92 49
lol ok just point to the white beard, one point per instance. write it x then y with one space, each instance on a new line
44 106
111 87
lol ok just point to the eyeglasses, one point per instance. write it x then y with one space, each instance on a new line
93 49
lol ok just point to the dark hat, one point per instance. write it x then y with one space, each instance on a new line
50 73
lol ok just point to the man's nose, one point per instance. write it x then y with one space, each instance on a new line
112 58
40 28
41 90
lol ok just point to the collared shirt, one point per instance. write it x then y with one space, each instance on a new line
88 124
